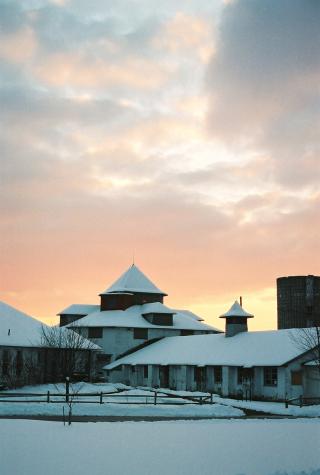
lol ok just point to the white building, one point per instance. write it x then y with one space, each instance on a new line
262 364
131 314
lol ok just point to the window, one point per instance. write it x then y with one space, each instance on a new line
95 332
19 363
296 378
145 371
103 359
140 333
5 362
240 375
217 370
200 374
244 375
159 319
270 376
133 369
186 332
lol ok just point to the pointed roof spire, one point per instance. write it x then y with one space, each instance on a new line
236 311
133 280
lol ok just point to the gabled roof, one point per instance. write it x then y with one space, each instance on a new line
133 280
79 309
236 311
132 317
247 349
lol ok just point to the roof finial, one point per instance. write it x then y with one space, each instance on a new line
133 257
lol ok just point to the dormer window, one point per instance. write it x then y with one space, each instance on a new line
163 319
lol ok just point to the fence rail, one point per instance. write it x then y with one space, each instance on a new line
302 401
103 398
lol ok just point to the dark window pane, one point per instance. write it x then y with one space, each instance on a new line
95 332
217 374
140 333
270 376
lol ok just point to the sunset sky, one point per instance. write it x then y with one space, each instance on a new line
183 133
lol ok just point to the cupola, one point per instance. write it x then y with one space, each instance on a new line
131 288
236 319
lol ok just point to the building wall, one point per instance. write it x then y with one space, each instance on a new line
298 301
117 340
184 378
28 365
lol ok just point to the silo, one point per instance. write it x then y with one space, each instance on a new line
298 300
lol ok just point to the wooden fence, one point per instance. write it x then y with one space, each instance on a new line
103 398
302 401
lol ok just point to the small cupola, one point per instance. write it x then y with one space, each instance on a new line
236 319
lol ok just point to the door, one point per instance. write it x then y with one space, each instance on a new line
200 376
164 376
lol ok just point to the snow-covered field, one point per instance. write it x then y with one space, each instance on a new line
215 447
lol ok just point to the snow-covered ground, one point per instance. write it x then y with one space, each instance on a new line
219 447
276 408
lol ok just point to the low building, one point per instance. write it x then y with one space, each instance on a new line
28 357
238 363
131 315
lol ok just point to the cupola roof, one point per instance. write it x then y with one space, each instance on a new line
133 280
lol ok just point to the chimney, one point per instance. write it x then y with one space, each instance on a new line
240 301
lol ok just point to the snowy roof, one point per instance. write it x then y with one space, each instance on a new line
156 307
132 317
262 348
236 311
19 329
79 309
133 280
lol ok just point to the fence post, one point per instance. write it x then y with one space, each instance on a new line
301 401
101 398
155 397
200 401
48 396
286 403
211 398
67 388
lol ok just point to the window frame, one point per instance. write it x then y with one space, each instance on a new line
270 376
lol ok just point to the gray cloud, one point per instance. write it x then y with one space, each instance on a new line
263 83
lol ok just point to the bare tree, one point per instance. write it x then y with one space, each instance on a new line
308 340
74 350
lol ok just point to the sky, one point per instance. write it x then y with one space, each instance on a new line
183 135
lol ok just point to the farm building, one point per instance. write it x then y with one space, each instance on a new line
131 314
238 363
31 352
